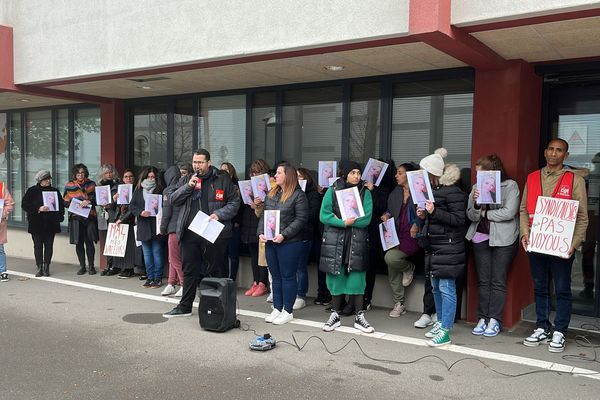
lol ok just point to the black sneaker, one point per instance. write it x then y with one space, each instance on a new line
127 273
157 283
104 272
538 336
92 271
148 283
113 271
82 270
143 277
333 322
360 323
4 277
177 312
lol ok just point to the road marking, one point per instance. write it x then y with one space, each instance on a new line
525 361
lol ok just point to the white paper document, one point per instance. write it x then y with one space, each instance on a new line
208 228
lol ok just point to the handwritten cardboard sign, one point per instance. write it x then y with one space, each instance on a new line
553 225
116 240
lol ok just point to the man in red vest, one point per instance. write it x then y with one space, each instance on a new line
554 180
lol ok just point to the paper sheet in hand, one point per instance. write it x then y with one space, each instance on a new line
208 228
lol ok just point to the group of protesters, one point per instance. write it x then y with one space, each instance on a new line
435 233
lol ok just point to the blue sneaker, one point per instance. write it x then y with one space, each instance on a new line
479 328
493 328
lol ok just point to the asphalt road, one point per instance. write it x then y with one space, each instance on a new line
63 342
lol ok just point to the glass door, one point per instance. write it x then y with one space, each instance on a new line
574 114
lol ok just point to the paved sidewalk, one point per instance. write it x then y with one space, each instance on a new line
507 346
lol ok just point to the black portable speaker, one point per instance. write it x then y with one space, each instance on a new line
217 304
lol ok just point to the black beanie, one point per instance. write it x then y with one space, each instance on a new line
346 166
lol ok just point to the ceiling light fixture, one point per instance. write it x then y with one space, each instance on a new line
145 87
24 100
334 68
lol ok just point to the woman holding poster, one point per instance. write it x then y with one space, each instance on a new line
285 249
83 232
441 225
8 205
42 224
107 213
494 232
132 252
152 245
345 248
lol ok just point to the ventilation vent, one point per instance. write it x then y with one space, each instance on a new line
151 79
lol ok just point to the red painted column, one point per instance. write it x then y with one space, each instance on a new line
506 121
7 80
112 134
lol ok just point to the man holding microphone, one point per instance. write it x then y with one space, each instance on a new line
211 191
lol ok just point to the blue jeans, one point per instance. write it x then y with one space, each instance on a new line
153 258
542 266
283 264
444 295
302 273
2 259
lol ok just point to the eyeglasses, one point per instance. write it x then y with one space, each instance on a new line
127 176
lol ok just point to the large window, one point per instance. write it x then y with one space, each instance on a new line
264 121
365 113
183 129
150 135
312 126
222 126
431 114
52 139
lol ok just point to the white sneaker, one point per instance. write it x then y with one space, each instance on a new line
423 322
398 310
283 318
168 290
299 304
179 292
270 298
274 314
557 344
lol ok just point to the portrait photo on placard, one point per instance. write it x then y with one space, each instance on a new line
488 186
261 186
153 204
388 234
350 203
246 191
374 171
271 221
103 195
77 208
50 200
420 188
124 193
327 172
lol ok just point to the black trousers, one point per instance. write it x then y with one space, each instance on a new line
43 247
200 259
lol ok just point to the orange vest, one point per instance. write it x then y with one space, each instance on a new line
562 190
1 190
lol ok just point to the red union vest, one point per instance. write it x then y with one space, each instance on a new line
1 190
562 190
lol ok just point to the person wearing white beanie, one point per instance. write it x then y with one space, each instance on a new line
441 226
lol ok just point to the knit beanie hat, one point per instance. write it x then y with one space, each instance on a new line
346 166
434 163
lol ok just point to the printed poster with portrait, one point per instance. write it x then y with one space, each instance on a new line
327 173
302 183
153 204
1 207
488 185
271 224
420 188
116 240
124 192
103 196
261 186
76 208
50 200
374 171
350 203
246 191
388 234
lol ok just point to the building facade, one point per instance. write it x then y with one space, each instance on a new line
146 82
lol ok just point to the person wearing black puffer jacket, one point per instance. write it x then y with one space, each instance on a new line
345 248
284 250
442 236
